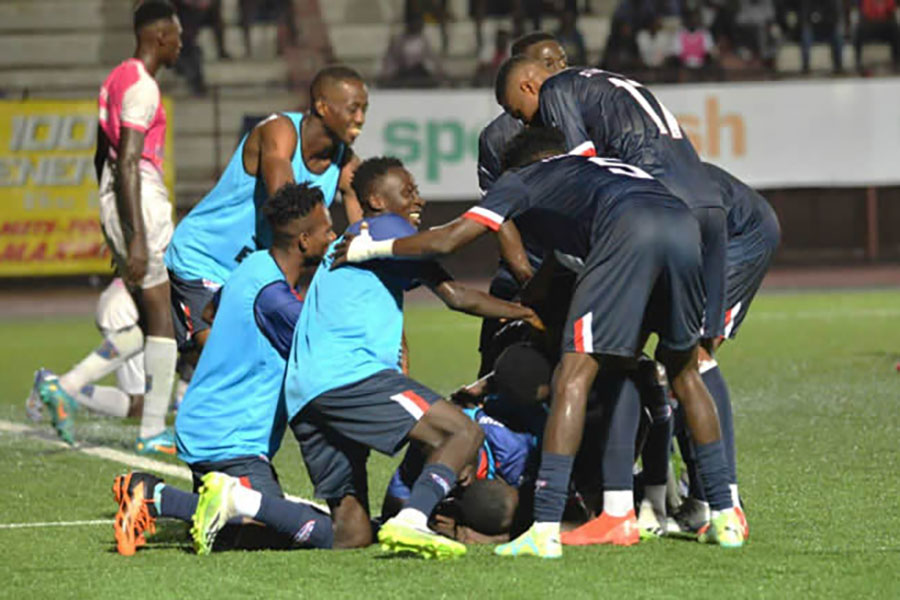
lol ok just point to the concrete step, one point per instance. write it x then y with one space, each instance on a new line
790 57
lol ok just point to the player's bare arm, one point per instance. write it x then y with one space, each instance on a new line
128 203
269 151
513 252
439 241
348 195
475 302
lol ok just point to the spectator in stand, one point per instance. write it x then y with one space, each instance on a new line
431 11
877 21
822 20
621 53
693 43
757 28
571 39
194 15
268 11
490 61
655 45
637 13
409 60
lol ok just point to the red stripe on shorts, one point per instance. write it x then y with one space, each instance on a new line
579 335
417 400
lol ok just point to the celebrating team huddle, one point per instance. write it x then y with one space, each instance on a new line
611 229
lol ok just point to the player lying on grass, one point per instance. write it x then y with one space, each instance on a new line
344 390
232 418
227 225
753 237
136 219
642 273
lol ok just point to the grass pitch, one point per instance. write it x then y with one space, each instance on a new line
816 407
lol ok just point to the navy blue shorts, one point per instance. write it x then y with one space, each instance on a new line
189 299
255 472
749 256
643 275
714 243
337 430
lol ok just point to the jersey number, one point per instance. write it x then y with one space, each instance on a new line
668 124
619 168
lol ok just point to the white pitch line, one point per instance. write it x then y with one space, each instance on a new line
130 460
56 524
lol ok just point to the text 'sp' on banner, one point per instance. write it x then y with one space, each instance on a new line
49 219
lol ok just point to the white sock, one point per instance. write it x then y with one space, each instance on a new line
160 355
181 387
117 347
735 497
246 501
413 517
617 503
105 399
546 527
656 495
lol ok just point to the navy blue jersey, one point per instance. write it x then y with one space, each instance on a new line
608 114
492 144
564 202
747 209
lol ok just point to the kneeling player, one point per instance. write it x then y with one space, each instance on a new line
232 418
344 390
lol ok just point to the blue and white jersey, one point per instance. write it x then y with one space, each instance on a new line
227 224
234 406
352 321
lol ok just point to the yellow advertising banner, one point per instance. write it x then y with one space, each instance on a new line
49 218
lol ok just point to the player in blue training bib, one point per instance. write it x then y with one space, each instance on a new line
345 392
227 225
232 418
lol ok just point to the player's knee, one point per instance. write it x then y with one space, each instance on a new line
352 526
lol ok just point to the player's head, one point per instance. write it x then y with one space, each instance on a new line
542 47
383 184
299 220
518 86
157 26
338 95
522 375
533 144
488 506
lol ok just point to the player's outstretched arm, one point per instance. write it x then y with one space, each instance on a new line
348 195
278 140
438 241
475 302
512 251
128 203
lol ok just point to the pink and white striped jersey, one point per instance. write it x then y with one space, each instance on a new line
130 98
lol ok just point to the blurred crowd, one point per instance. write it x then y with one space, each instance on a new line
653 40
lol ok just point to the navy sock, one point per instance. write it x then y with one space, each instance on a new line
718 389
688 455
618 451
714 473
433 484
174 503
551 490
657 448
305 525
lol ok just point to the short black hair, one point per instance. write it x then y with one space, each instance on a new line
369 172
150 11
519 372
532 144
292 201
523 43
329 75
503 74
483 506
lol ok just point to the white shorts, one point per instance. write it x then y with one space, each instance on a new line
157 212
116 311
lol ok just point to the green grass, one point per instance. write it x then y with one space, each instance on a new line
816 404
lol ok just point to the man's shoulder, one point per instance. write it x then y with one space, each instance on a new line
385 226
503 128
